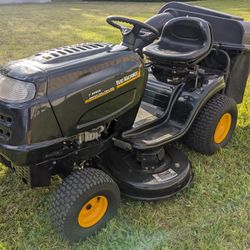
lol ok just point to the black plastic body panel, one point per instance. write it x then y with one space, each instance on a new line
95 98
239 73
138 183
29 122
238 37
196 9
78 90
175 122
230 33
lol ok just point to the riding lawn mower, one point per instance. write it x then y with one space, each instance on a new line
103 116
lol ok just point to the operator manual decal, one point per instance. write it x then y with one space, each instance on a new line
165 176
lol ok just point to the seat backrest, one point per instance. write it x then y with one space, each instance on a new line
186 33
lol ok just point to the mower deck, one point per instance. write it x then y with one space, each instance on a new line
172 174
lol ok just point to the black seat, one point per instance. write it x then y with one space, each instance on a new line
183 40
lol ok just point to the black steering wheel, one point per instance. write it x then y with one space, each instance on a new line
139 29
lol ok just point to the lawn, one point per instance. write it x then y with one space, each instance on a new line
213 214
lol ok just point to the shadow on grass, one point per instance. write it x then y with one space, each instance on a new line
201 213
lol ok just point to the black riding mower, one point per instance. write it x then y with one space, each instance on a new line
102 116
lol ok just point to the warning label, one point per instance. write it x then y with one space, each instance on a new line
165 176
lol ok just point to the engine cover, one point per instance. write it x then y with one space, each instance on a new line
85 85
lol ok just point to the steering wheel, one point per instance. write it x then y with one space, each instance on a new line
139 29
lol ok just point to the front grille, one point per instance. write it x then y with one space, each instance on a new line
5 133
5 124
6 163
5 118
23 172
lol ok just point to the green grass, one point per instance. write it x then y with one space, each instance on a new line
213 214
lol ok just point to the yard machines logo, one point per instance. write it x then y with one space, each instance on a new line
127 79
118 84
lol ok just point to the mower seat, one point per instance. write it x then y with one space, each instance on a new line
183 40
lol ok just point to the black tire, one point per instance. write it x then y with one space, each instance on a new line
72 196
200 136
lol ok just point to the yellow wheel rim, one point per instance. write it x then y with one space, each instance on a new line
223 128
93 211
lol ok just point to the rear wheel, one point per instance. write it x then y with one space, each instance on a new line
84 203
213 126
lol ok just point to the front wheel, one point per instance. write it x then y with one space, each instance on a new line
214 125
86 200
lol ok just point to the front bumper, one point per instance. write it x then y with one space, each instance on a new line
31 163
31 154
36 163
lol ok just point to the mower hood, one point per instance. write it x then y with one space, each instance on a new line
36 69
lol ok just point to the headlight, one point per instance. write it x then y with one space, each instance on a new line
14 91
